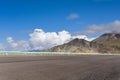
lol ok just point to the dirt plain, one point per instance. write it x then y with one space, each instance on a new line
79 67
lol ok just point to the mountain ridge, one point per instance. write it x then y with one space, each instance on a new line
106 43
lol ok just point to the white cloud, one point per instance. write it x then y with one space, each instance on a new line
83 37
12 42
72 16
102 28
18 45
42 40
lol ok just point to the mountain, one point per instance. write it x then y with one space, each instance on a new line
78 45
110 40
106 43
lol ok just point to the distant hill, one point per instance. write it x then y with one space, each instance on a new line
79 45
110 41
76 45
106 43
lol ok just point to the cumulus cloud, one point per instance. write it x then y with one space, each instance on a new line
18 45
41 40
72 16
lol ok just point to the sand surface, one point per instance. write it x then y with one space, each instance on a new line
84 67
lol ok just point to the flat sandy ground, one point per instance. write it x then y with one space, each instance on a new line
84 67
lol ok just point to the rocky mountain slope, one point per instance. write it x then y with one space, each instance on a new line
106 43
111 41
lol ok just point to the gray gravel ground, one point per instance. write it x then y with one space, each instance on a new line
84 67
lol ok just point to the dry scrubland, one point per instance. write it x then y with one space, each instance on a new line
70 67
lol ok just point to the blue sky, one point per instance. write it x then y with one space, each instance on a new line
18 18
